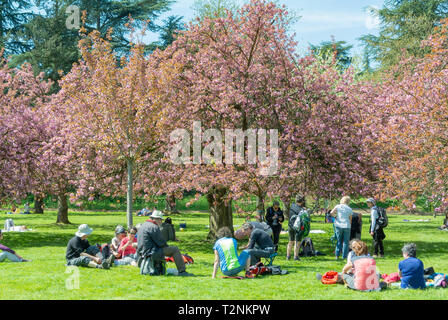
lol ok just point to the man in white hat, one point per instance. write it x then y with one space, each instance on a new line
151 242
80 253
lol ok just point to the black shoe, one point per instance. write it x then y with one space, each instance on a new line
288 258
297 258
111 260
185 274
105 265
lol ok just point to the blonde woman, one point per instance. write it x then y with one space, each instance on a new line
342 225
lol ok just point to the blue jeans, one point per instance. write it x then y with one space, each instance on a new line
242 259
126 260
8 255
342 241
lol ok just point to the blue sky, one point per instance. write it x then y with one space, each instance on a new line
320 19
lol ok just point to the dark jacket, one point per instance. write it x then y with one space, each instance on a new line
150 241
270 215
168 232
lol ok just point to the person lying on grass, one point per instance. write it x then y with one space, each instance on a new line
80 253
127 249
411 269
226 255
8 253
360 272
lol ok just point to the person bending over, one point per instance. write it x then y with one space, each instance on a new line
260 243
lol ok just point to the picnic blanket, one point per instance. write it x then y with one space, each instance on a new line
317 231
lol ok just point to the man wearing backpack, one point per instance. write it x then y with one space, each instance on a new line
295 237
376 229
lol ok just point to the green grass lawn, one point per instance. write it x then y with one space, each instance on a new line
45 277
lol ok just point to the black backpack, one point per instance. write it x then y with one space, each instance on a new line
307 248
382 221
356 226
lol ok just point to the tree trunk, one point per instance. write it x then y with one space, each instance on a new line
170 204
220 212
38 204
129 194
62 209
286 211
260 207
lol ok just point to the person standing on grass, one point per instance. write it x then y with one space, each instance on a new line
8 253
226 255
80 253
274 218
342 224
295 237
356 228
151 242
411 269
376 231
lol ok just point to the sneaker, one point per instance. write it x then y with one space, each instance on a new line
318 276
296 258
111 260
249 275
185 274
105 265
288 258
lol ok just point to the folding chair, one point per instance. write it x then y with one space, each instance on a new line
269 261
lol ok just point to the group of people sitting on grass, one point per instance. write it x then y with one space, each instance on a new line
14 209
126 248
360 272
130 247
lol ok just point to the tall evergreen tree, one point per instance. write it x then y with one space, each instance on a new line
338 49
13 16
404 24
105 14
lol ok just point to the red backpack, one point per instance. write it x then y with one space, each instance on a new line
330 277
187 259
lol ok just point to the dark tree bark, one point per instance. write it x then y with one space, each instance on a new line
170 204
260 207
220 212
38 204
62 209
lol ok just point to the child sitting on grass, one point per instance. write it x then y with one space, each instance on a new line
8 253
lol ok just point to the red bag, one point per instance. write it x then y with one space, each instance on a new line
186 257
330 277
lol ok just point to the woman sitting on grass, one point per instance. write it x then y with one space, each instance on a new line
411 269
226 255
8 253
350 257
360 273
127 249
